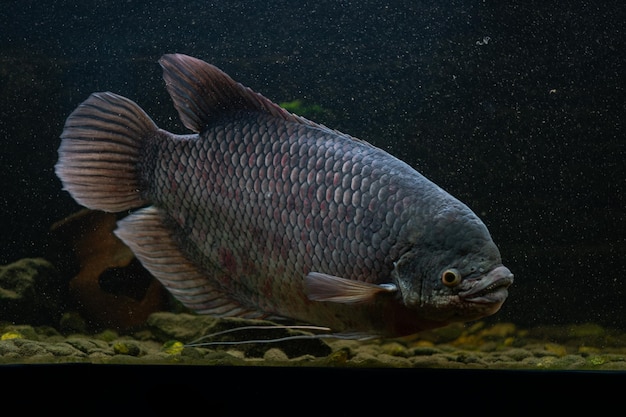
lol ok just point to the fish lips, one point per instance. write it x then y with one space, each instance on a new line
488 289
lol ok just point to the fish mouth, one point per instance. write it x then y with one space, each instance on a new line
489 289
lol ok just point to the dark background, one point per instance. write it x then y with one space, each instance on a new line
516 108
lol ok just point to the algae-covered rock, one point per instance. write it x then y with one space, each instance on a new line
126 348
168 326
31 292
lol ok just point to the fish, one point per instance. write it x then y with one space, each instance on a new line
260 213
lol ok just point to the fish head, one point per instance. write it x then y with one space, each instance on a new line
453 272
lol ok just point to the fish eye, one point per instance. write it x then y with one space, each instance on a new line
451 277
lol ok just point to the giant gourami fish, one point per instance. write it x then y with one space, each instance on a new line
262 213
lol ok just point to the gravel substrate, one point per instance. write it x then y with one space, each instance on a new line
166 337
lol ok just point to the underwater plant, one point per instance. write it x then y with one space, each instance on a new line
304 109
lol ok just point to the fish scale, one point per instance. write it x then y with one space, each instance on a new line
309 225
261 212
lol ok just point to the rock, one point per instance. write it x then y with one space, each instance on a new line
126 348
31 292
72 322
275 355
185 327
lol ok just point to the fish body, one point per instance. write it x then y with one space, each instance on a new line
262 213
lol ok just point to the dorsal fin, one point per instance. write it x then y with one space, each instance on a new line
202 91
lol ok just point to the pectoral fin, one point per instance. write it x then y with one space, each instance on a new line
323 287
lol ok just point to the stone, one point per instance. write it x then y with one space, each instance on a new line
31 292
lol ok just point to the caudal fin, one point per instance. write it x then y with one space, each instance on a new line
100 151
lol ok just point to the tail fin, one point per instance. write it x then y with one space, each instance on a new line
100 151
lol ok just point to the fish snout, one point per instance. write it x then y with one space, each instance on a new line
490 288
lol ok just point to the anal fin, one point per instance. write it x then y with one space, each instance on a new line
146 234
